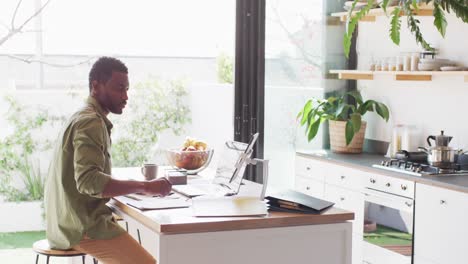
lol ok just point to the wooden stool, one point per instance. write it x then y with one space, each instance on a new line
42 247
117 218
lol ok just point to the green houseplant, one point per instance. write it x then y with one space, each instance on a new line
345 119
407 8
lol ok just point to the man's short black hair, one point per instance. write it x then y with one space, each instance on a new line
102 70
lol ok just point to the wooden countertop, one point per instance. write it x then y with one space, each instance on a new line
178 221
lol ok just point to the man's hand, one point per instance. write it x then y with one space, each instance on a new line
161 187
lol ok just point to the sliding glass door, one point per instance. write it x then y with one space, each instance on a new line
301 43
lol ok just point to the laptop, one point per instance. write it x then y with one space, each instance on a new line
229 173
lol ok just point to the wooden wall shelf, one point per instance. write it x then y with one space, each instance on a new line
399 75
424 10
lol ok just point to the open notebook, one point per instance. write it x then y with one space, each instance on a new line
229 173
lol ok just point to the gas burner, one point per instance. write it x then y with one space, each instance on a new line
419 169
441 171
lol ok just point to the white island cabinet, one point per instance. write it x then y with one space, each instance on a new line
441 226
176 236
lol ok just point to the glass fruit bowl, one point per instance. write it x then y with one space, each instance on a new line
193 161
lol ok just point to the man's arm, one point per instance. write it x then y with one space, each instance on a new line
118 187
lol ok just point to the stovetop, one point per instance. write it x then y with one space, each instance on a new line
420 169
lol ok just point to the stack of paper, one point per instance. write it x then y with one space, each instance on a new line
154 203
229 206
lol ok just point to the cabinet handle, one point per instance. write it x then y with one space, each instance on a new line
408 204
404 187
372 180
388 184
443 202
307 168
307 188
343 177
342 198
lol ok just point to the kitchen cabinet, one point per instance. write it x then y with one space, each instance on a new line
310 177
310 169
337 184
348 200
345 177
352 201
334 183
353 189
387 184
440 226
311 187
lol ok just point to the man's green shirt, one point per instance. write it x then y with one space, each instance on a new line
80 169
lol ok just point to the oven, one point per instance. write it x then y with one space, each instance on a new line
388 227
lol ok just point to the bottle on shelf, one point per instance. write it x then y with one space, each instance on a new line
378 65
392 64
414 61
409 139
372 63
397 136
385 64
407 62
399 63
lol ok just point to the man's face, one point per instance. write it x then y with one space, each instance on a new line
112 95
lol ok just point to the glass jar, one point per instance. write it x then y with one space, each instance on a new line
414 61
384 65
372 64
392 65
378 65
407 62
397 137
399 63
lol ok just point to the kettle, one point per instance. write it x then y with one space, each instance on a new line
440 140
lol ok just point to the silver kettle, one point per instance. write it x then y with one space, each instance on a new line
439 140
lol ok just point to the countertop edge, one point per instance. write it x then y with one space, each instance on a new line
370 169
340 216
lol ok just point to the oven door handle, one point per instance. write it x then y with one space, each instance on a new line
389 200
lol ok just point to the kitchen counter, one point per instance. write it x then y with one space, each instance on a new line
168 233
176 221
365 161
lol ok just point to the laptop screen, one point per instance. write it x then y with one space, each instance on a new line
232 163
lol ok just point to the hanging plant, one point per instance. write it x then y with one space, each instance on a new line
408 8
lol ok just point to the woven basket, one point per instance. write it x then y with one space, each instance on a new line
338 139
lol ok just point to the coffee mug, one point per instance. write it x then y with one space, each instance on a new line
149 170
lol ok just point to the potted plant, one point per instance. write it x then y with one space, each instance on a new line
407 8
345 120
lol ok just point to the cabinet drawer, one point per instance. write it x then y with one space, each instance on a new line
350 201
391 185
346 178
441 224
309 186
309 168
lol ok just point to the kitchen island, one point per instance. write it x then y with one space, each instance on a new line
174 236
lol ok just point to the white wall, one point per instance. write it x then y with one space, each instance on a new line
429 106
